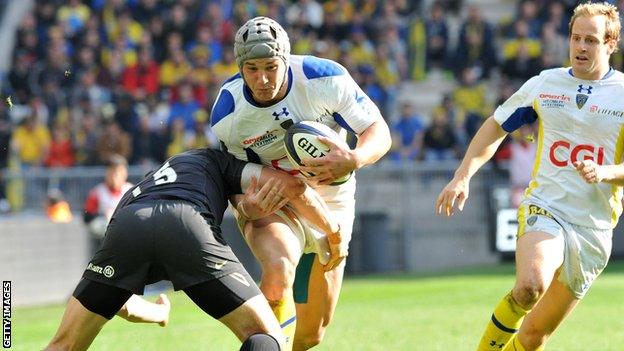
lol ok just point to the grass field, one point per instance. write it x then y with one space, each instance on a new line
441 312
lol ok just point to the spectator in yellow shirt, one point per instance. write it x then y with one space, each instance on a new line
73 16
470 97
178 138
175 68
522 41
31 141
362 49
343 9
126 28
225 68
201 73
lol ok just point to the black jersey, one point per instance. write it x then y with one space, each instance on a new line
203 177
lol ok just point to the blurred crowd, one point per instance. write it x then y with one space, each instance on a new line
137 78
488 63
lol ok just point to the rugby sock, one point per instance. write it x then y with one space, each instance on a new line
260 342
515 345
286 314
503 325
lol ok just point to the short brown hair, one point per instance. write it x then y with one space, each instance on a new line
612 24
116 160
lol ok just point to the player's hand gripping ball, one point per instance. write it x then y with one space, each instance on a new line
302 143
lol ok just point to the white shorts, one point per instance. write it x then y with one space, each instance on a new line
586 250
339 199
311 240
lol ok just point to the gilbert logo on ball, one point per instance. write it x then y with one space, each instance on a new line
302 143
306 145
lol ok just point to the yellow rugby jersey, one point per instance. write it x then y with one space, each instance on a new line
578 120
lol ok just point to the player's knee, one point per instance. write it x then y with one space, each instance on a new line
62 341
533 338
279 274
260 342
57 345
308 340
528 293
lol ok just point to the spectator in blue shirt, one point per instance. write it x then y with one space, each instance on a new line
407 135
185 108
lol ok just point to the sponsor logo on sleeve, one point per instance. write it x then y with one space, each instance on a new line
107 271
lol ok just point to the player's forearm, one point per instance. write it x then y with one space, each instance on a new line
481 148
303 199
372 144
250 211
613 174
266 190
313 208
293 187
139 310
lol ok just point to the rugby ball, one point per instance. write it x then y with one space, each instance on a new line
301 143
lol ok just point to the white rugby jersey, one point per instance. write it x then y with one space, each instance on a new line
578 120
318 90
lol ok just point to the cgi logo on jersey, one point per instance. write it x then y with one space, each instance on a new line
562 153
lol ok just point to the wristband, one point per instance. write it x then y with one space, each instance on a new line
335 237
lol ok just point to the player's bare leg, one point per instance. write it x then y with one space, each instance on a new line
278 251
323 292
546 316
253 317
78 328
538 256
139 310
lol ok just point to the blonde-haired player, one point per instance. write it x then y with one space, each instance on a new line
574 199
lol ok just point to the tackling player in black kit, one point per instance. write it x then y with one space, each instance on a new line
168 227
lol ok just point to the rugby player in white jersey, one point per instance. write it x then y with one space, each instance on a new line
253 110
574 199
